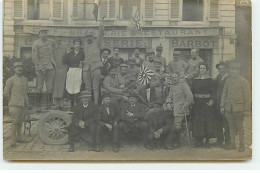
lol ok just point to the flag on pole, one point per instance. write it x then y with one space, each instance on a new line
95 9
137 21
145 75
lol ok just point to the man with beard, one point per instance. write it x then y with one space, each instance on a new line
16 90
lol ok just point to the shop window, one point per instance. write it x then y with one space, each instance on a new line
38 9
129 9
192 10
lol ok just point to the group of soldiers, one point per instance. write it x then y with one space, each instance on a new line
110 99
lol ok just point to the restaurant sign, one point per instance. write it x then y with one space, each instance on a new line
147 32
197 42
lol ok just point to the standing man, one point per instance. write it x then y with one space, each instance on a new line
138 60
235 104
192 69
92 63
179 98
107 120
159 50
83 120
149 62
106 61
43 58
177 65
16 90
221 120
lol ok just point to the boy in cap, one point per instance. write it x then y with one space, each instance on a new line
235 104
16 91
43 58
107 119
83 120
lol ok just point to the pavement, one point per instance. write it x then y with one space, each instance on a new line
130 151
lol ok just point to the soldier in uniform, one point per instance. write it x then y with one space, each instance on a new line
157 84
108 119
158 56
92 63
161 128
192 68
177 65
179 98
133 70
16 90
132 117
138 60
149 62
83 120
43 58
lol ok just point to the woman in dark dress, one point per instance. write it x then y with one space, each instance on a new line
74 59
202 111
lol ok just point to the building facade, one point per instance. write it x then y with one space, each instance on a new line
208 25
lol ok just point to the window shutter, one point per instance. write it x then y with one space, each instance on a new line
57 9
18 9
75 9
175 9
103 9
148 9
214 10
112 9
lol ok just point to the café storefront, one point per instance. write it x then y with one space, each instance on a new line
207 40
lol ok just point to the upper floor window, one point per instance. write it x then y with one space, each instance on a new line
192 10
128 9
86 8
38 9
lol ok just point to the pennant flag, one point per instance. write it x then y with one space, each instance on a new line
95 9
145 75
137 21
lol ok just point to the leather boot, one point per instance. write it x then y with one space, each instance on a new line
177 139
38 102
72 148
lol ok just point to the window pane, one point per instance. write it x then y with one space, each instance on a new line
128 8
38 9
192 10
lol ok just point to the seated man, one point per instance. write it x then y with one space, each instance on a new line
161 127
107 119
83 120
132 117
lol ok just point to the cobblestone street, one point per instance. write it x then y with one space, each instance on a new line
37 150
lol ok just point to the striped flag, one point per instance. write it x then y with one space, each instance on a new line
145 75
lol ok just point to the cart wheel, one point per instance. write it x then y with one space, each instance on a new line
52 127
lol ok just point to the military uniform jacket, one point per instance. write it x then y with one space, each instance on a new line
192 70
43 54
103 117
138 110
180 97
236 96
162 59
16 91
178 66
88 114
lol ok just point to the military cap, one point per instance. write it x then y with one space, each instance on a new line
222 63
105 49
43 30
123 65
149 51
18 64
159 47
176 52
105 95
132 94
85 94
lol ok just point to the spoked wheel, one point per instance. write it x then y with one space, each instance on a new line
52 128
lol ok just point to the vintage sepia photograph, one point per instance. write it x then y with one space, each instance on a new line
127 80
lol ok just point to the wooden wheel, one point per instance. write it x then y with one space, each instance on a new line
52 127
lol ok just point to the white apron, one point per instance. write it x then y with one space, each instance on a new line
74 80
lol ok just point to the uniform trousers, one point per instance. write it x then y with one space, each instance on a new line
235 123
178 121
46 76
17 117
91 78
101 130
75 131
